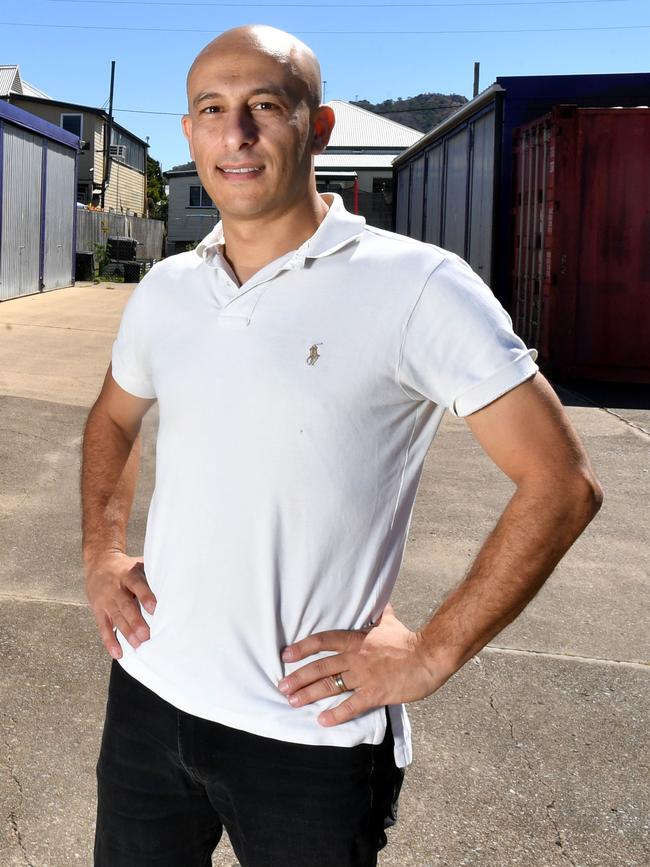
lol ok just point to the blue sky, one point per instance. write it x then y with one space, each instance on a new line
402 59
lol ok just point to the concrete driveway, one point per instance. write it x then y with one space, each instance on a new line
536 753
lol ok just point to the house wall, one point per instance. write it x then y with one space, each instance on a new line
186 225
98 152
367 177
126 189
374 199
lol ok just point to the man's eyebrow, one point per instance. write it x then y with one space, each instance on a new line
258 91
205 94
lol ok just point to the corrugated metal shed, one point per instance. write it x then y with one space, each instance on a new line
356 127
448 198
37 203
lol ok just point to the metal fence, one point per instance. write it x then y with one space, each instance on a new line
94 227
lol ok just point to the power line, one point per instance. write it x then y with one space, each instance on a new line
386 111
340 5
328 32
143 111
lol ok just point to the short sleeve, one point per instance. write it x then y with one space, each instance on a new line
459 349
131 355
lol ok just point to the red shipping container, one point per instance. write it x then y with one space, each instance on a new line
580 224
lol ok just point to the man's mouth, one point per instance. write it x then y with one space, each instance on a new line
240 170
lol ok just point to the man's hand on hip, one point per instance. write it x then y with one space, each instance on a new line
116 587
384 665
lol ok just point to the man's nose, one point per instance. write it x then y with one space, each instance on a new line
240 129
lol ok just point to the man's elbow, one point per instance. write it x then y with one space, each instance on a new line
583 495
572 495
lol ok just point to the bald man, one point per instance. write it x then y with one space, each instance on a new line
302 362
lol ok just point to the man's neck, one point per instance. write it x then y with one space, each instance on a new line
252 244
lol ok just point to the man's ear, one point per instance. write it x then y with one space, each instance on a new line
186 123
323 124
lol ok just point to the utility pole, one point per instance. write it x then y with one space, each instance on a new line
107 138
146 179
477 66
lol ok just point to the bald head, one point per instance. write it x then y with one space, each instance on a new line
296 57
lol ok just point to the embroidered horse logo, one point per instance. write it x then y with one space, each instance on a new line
313 356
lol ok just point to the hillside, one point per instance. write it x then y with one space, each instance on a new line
421 112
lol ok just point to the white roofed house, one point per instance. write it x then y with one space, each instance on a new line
357 164
191 212
11 82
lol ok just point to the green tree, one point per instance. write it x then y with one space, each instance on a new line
156 195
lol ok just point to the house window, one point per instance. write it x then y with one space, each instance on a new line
72 123
83 193
199 198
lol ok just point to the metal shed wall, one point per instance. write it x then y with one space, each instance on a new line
22 158
480 238
455 197
434 199
402 200
451 195
416 198
37 204
60 190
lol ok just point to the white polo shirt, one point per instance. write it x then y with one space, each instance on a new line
295 414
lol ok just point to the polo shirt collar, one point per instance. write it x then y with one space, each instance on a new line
338 228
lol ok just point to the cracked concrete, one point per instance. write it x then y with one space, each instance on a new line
535 754
14 809
520 745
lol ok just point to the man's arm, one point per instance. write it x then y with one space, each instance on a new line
115 583
528 435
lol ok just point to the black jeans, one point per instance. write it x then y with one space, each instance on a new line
168 783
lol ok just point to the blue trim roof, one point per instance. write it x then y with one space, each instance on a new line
19 117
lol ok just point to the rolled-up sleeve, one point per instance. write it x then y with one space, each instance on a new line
459 349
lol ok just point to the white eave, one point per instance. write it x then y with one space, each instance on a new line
354 161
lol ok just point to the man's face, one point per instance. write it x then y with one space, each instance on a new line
250 131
